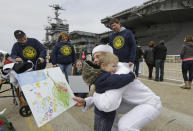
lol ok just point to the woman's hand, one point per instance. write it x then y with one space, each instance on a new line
41 60
18 59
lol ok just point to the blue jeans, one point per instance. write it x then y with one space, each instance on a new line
66 69
150 68
159 68
187 66
136 67
102 124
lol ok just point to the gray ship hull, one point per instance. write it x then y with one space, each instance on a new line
173 34
157 20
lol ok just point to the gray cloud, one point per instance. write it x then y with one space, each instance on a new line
31 16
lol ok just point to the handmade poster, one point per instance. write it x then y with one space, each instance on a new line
47 93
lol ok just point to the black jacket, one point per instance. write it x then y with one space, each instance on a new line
149 55
187 50
160 51
139 54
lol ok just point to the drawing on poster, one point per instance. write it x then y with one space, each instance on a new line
47 92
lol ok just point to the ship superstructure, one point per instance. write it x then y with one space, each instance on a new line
56 25
169 20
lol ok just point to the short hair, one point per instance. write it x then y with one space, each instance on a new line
107 58
188 38
162 42
62 34
7 55
151 44
114 20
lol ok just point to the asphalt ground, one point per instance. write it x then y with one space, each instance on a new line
177 114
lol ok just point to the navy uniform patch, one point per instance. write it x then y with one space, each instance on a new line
66 50
29 52
118 42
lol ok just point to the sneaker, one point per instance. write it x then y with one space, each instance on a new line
185 87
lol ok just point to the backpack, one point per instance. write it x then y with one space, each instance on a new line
22 67
5 125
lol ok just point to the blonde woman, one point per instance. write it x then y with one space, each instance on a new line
63 54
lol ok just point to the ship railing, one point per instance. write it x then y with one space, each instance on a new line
150 2
172 68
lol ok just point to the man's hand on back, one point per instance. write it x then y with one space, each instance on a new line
130 64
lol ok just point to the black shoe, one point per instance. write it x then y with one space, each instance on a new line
156 80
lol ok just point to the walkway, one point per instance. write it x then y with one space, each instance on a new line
177 114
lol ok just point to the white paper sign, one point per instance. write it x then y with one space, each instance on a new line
78 85
47 92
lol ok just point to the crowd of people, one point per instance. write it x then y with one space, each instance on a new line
112 75
155 56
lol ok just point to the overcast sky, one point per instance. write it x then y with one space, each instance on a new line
31 16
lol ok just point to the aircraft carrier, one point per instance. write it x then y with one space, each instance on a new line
169 20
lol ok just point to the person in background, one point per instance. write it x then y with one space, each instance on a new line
28 49
77 52
7 59
160 52
77 67
83 55
77 70
1 56
48 58
186 55
123 42
63 54
89 57
138 58
149 58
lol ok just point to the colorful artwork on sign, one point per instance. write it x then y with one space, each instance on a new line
47 92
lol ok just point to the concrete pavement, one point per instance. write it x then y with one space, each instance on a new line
177 114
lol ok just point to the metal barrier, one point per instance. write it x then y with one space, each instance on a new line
172 68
